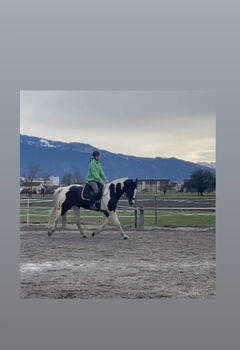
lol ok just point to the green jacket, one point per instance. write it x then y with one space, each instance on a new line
95 172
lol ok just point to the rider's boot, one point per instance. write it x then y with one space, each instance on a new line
93 204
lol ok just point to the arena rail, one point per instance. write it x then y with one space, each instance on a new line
138 219
159 209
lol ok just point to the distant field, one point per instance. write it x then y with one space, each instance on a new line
39 210
147 195
169 218
175 195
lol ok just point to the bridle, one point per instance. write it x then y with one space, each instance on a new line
124 196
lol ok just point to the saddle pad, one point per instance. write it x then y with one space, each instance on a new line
86 193
87 190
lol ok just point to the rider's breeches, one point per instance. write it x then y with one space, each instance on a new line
94 194
94 186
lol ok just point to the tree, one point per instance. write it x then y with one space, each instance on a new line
75 178
45 177
78 178
67 179
32 172
200 181
166 187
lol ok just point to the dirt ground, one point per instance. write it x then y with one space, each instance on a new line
154 263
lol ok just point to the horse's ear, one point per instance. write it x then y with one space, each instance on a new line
136 180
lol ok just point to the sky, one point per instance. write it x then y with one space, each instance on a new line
178 124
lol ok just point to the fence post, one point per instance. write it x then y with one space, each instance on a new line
156 218
136 218
27 211
141 223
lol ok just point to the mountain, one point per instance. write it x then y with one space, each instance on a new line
211 165
59 158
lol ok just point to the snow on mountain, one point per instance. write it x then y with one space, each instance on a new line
46 143
58 158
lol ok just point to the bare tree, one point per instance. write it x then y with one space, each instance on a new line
45 177
166 187
67 179
32 172
78 178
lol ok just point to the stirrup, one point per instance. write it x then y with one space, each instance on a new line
95 206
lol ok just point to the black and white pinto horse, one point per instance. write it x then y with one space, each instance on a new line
72 197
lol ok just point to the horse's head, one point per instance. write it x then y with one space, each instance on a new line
130 189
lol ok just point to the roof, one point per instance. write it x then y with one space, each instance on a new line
154 180
30 184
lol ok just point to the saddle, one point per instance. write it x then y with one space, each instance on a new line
87 192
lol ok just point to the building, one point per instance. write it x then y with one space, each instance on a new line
51 184
35 186
158 185
39 186
54 180
177 187
153 185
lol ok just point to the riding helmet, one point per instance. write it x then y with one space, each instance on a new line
96 154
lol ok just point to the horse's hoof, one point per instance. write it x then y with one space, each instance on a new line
93 234
49 234
84 236
126 237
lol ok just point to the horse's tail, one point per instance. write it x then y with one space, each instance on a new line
56 194
56 204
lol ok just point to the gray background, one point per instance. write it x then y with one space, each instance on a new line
121 45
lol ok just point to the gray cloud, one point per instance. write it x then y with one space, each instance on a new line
144 123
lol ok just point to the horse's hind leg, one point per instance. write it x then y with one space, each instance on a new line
77 221
64 221
55 222
117 223
105 222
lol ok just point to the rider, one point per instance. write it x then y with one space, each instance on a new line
95 175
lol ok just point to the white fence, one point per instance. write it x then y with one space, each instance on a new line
27 208
138 219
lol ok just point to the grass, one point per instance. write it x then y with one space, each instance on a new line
36 196
164 219
144 195
175 195
39 212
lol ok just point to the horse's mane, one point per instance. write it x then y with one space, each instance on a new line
121 180
117 181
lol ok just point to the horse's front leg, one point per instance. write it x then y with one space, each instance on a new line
104 224
77 221
116 222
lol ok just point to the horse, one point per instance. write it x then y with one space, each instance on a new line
78 196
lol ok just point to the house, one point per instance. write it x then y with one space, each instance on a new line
52 184
35 186
39 185
54 180
153 185
177 187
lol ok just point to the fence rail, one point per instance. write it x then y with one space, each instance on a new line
140 213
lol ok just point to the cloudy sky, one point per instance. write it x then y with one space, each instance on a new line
177 124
